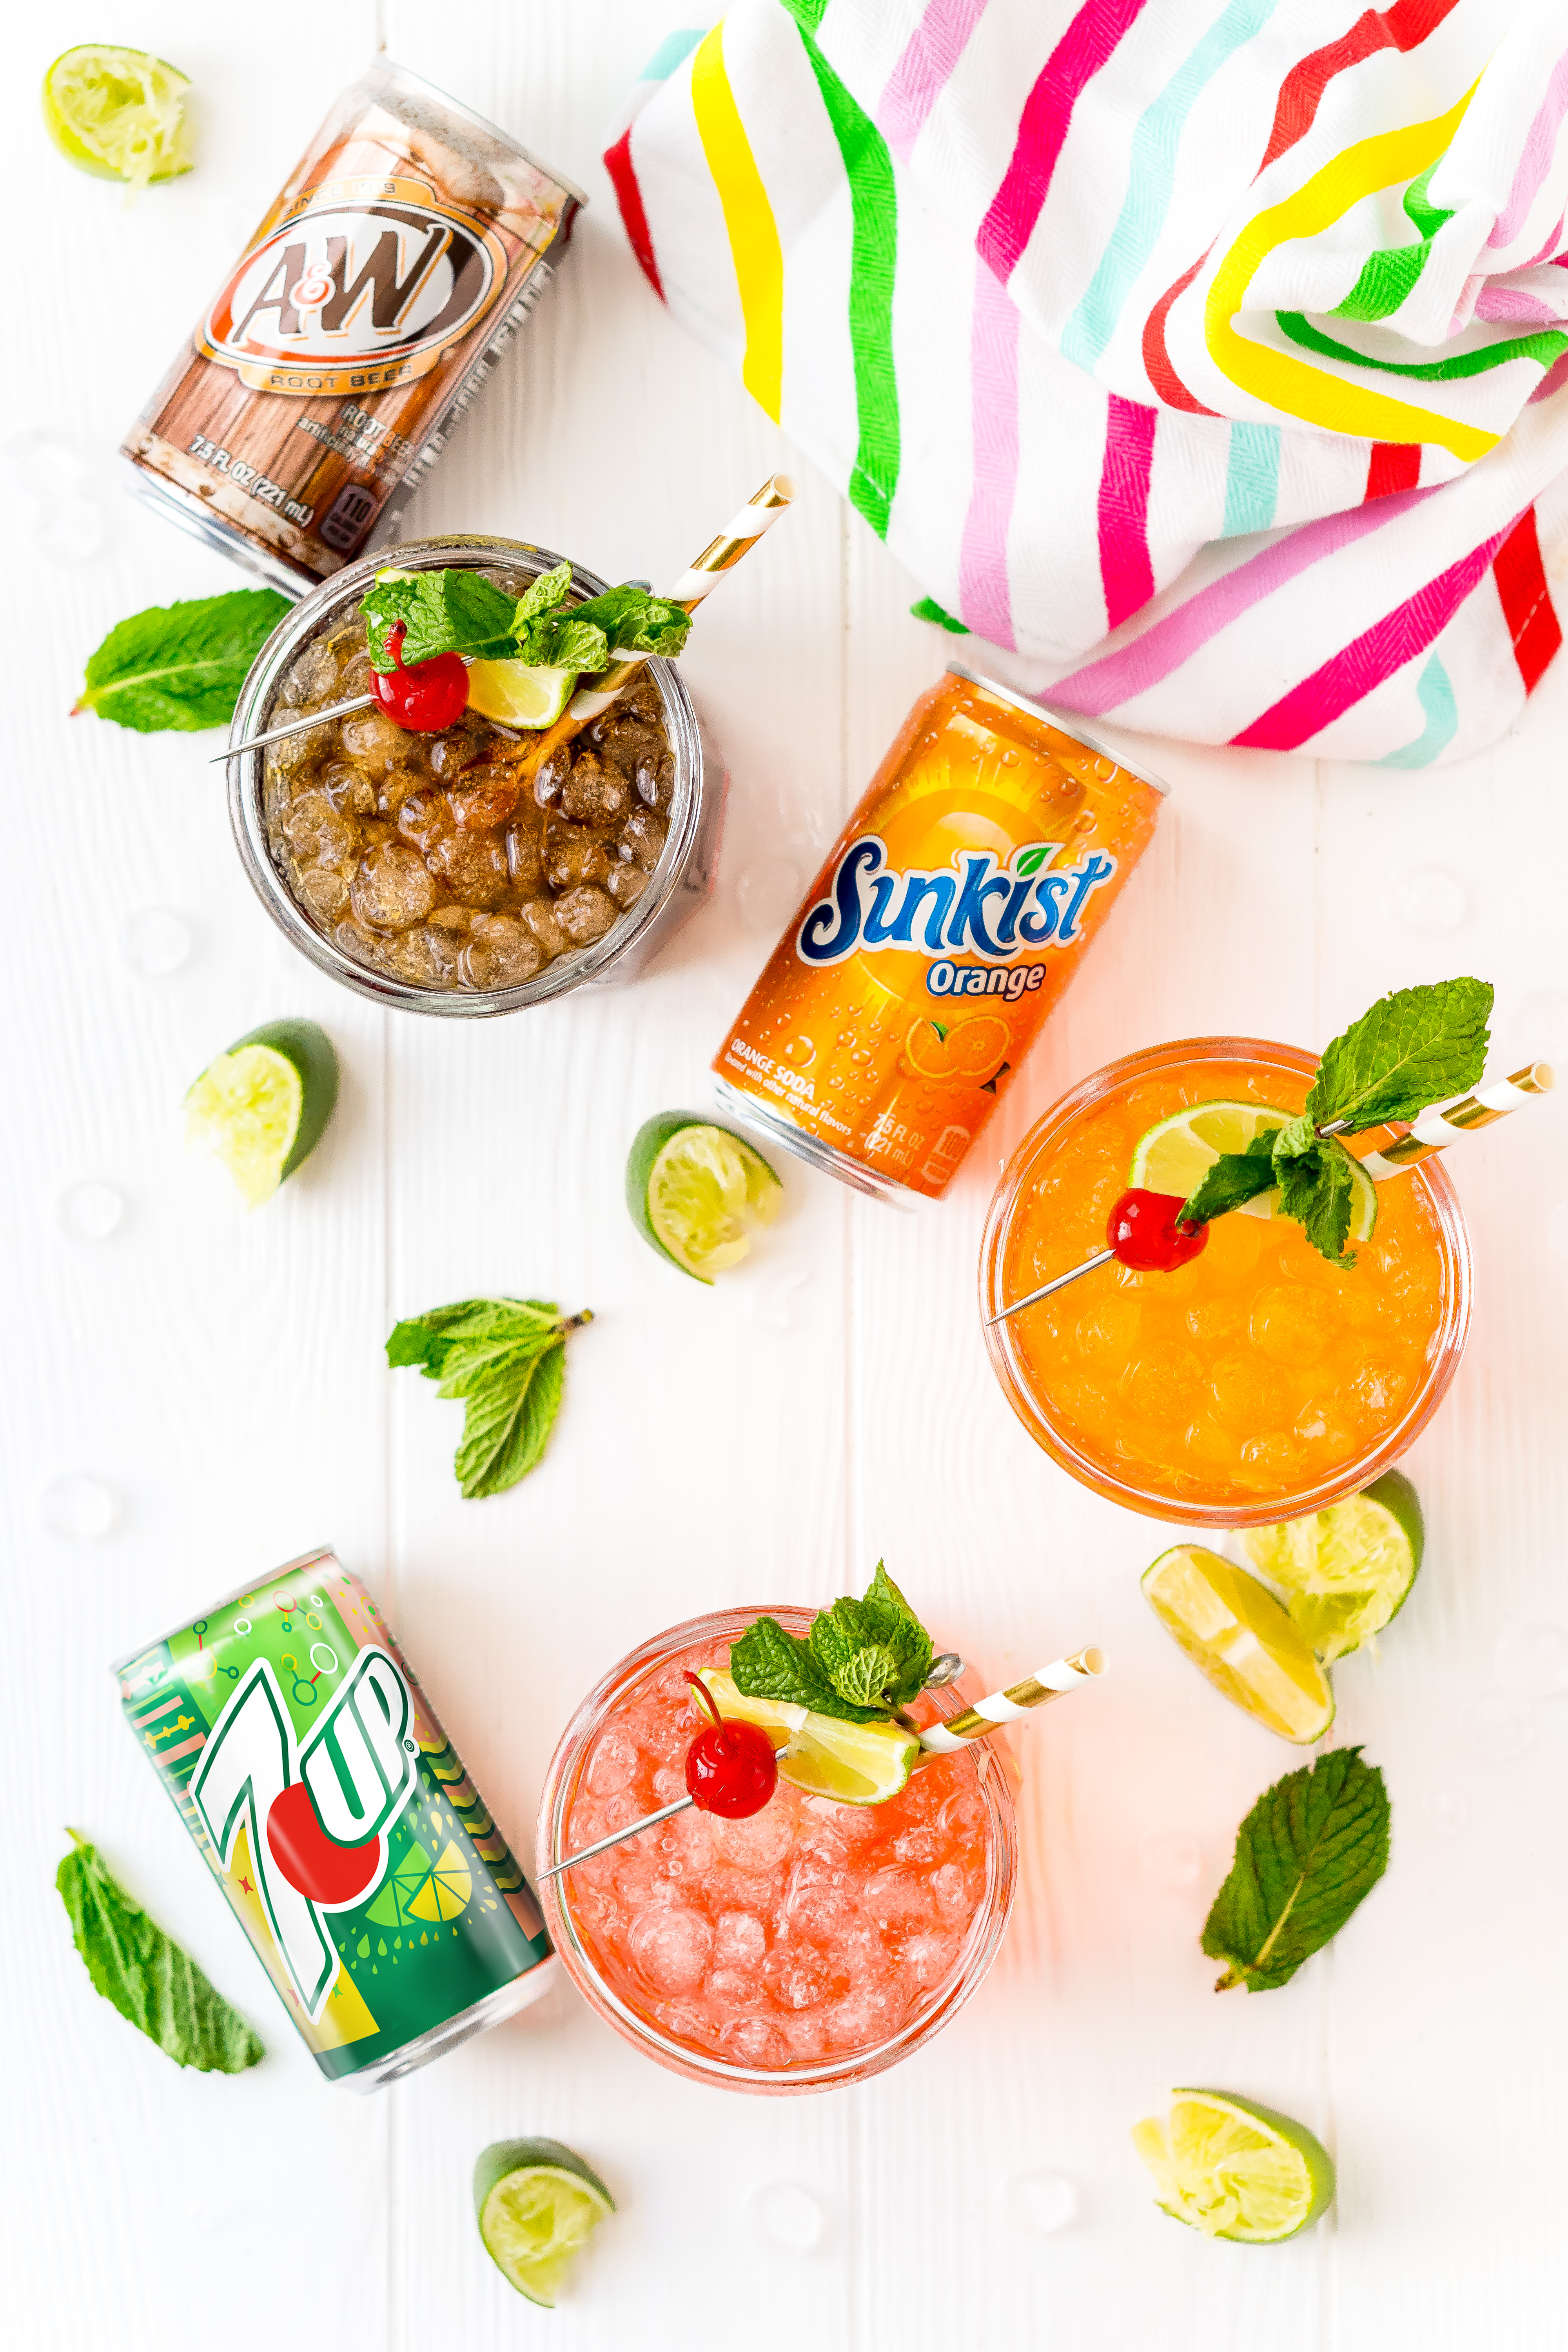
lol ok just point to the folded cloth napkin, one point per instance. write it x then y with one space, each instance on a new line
1206 359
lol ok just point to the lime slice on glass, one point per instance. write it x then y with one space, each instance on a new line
1175 1157
537 2203
697 1193
1347 1571
118 113
517 696
852 1763
1237 1634
1233 2170
261 1107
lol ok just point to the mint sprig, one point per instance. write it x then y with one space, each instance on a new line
1312 1848
506 1357
1415 1048
862 1660
461 611
147 1976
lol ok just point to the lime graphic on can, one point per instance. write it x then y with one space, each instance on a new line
334 1811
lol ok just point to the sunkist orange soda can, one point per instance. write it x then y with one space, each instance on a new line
950 916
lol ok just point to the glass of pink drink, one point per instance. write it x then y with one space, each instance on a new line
810 1945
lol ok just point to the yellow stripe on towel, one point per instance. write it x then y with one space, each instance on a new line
747 218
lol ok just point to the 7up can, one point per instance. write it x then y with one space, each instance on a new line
335 1813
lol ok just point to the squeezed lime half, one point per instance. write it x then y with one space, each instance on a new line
1236 1633
852 1763
1345 1573
260 1108
1233 2170
118 113
537 2204
698 1192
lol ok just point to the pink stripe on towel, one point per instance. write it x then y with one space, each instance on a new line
1125 570
931 56
985 603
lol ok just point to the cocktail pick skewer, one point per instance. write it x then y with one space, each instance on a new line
616 1837
759 514
1434 1131
1037 1689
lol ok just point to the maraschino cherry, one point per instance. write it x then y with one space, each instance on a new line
426 696
730 1768
1146 1231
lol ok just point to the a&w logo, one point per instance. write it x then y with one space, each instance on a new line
315 1818
367 283
973 903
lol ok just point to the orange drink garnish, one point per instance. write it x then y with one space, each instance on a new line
1256 1382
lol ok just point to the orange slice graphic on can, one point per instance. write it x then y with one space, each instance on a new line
965 1052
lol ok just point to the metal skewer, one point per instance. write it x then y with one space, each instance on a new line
616 1837
1057 1282
292 727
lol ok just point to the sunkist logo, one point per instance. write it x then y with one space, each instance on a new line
388 281
316 1817
975 903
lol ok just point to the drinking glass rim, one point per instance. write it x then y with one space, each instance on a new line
1180 1510
246 776
982 1940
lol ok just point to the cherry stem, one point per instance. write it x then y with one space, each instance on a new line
702 1691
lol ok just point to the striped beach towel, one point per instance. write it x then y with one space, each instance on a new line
1206 359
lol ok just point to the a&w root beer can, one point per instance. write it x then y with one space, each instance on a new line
334 1812
316 393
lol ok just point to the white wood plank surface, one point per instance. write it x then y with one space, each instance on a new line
222 1380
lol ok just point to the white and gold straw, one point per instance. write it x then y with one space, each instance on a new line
1037 1689
1436 1128
739 536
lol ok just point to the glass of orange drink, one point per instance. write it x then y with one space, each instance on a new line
1256 1382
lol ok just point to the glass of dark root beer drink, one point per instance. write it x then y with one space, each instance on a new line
433 870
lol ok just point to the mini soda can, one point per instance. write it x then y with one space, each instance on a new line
951 915
318 389
328 1803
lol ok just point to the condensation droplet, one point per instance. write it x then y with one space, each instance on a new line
1533 1658
1445 1811
156 942
789 2218
91 1212
1041 2204
1171 1858
1497 1724
769 892
78 1507
798 1051
73 532
1430 900
778 1301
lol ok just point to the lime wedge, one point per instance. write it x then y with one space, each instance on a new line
1233 2170
852 1763
261 1107
118 113
1347 1571
1235 1631
537 2203
1175 1157
517 696
696 1192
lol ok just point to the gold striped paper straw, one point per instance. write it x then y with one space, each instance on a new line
1037 1689
1436 1128
739 536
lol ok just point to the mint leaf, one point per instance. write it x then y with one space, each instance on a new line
181 666
911 1644
444 611
147 1976
1235 1178
768 1663
550 588
1415 1048
562 640
506 1359
636 622
1312 1848
1314 1180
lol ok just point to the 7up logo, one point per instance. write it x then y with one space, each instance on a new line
315 1818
